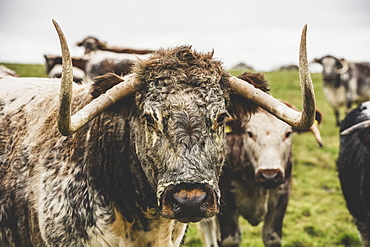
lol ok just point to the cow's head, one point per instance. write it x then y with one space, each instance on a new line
91 44
182 100
332 67
357 123
263 146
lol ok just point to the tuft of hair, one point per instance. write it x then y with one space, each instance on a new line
256 79
103 83
180 65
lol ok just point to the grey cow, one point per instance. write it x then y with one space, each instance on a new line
345 83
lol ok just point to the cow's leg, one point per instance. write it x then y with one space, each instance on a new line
229 222
337 116
364 226
273 223
210 231
364 232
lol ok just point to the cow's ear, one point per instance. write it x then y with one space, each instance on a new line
339 63
256 79
103 83
241 107
317 60
364 136
318 116
314 128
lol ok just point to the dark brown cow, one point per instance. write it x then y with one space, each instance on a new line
256 180
345 83
141 156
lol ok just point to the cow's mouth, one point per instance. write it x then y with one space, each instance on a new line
189 202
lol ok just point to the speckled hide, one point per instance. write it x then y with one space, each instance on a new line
345 83
133 176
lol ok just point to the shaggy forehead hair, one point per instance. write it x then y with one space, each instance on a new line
169 69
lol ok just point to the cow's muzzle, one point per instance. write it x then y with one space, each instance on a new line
269 178
189 202
328 77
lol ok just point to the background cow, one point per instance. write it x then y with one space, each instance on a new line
256 180
140 157
345 83
102 58
4 71
53 65
354 167
93 44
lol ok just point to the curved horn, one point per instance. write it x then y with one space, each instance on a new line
68 124
355 127
316 132
345 66
294 118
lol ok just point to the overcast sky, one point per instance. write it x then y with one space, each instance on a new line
262 33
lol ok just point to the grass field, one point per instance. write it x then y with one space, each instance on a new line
317 215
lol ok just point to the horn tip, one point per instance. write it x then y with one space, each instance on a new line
304 30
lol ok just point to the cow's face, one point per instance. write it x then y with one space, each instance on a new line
268 144
180 141
330 65
90 44
359 117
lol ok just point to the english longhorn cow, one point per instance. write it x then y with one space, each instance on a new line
93 44
345 83
139 158
256 180
102 58
353 167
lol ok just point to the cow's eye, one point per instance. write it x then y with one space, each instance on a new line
288 134
149 120
250 134
221 119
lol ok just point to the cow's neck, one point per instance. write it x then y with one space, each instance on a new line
116 171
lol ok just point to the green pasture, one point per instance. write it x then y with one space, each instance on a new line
317 215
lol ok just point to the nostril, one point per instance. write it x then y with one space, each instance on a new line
176 208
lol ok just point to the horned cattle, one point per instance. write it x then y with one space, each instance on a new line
345 83
353 167
256 180
140 157
102 58
93 44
